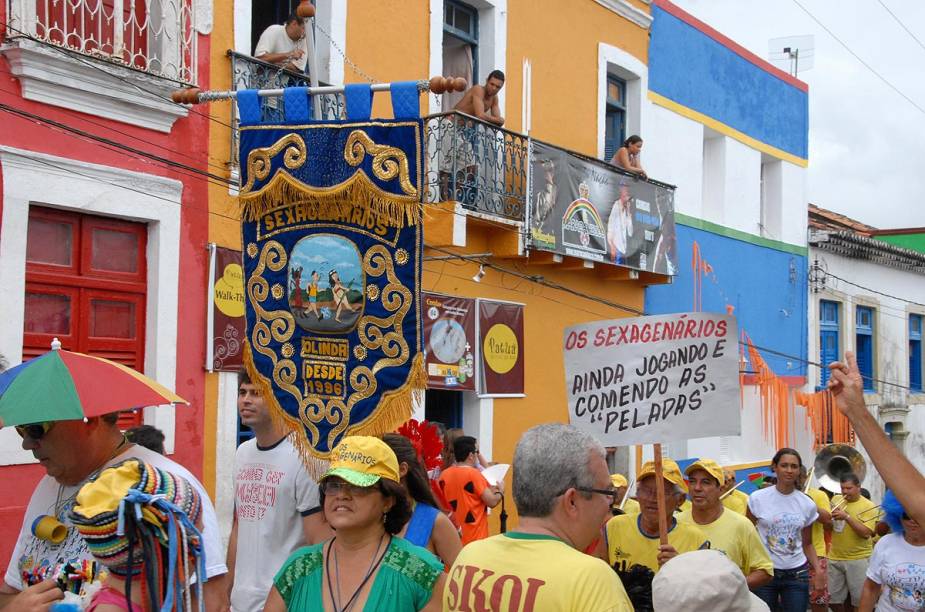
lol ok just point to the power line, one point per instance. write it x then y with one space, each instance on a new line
182 169
858 57
901 24
537 279
111 128
84 134
76 55
899 299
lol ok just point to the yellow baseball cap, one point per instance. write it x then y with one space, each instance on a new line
362 461
670 471
618 480
709 466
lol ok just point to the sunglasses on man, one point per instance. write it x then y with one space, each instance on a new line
34 431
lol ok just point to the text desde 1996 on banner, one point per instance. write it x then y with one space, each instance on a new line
653 379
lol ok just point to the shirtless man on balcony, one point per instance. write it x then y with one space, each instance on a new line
458 165
481 101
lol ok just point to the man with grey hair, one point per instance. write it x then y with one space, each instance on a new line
563 493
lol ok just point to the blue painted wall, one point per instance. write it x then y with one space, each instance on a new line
694 70
767 287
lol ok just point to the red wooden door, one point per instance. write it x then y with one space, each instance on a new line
86 285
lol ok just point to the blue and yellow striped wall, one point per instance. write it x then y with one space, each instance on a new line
698 73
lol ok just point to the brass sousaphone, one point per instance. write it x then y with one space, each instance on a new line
835 460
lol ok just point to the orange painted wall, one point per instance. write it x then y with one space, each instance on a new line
561 40
389 41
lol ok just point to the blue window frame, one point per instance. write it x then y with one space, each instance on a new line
829 348
615 119
864 344
915 353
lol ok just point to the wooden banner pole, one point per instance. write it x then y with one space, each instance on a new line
660 495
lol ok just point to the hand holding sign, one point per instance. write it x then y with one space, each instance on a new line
651 379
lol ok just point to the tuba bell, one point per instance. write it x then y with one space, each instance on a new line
835 460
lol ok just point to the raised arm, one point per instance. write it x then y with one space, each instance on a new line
899 474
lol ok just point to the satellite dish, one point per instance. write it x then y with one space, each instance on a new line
793 54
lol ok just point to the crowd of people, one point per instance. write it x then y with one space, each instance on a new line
126 528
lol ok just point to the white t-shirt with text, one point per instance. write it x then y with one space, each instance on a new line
272 494
781 519
31 553
899 567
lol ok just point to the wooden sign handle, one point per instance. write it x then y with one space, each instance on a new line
660 495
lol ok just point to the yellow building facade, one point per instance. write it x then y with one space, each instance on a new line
562 62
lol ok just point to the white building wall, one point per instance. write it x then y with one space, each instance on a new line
889 403
673 153
741 189
719 180
793 209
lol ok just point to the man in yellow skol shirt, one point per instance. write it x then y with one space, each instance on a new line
562 491
818 598
851 544
631 542
737 501
729 532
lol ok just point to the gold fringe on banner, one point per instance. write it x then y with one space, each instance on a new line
337 202
394 408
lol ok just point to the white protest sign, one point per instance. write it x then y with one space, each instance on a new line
652 379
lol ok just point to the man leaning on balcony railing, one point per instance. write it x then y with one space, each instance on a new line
284 45
459 153
481 101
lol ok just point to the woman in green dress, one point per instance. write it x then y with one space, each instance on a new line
365 566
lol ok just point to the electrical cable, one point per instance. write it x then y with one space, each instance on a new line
537 279
858 57
82 58
901 24
113 143
81 117
848 282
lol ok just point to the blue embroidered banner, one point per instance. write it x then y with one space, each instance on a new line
332 266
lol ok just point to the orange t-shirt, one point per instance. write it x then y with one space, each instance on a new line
463 486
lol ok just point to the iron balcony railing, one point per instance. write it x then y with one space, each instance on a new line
153 36
478 164
251 73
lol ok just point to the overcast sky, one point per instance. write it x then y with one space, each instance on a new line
866 143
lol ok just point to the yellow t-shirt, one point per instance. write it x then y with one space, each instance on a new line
631 506
734 535
822 502
626 542
737 501
520 572
685 507
847 545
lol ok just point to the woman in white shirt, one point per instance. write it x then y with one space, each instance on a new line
784 517
896 574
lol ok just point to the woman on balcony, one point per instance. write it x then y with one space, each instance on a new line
627 157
